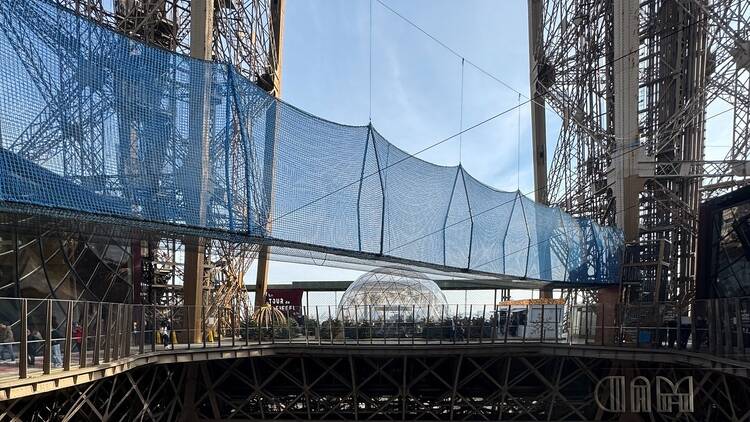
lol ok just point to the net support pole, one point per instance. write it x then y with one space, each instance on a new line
538 127
277 23
201 42
539 133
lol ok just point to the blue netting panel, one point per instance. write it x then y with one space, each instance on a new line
96 123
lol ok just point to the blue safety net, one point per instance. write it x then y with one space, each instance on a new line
96 123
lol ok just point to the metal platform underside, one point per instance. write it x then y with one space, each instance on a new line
345 382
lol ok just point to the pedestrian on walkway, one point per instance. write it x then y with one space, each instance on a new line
164 333
6 348
35 346
57 340
77 335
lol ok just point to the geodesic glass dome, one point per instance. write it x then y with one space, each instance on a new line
390 294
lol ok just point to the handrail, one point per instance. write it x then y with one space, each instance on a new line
80 334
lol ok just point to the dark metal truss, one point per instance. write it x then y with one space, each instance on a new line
371 386
694 66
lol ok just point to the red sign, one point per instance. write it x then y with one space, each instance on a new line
286 300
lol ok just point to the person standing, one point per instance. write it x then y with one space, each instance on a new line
164 332
35 346
56 350
6 348
77 335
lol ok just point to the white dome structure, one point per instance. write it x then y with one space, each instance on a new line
387 292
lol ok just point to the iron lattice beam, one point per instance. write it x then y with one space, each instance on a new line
694 61
370 386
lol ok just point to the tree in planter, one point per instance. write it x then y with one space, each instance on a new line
330 328
249 329
365 329
361 330
283 330
311 326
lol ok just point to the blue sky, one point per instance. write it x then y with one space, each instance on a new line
416 84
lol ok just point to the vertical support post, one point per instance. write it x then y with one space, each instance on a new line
469 319
269 158
727 326
627 184
740 328
47 360
442 324
129 328
414 323
190 327
261 280
497 317
693 331
497 320
203 325
638 333
288 326
122 317
193 287
68 335
248 318
602 323
369 314
275 57
154 330
343 322
398 324
330 326
455 326
481 328
201 44
23 351
738 317
537 73
317 323
538 128
126 328
219 325
305 319
108 334
557 324
97 334
115 333
84 335
427 326
587 322
711 325
541 322
142 337
356 325
234 325
507 325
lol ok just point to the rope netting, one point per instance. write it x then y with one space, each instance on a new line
97 123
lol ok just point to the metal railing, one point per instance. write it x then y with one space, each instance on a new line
43 336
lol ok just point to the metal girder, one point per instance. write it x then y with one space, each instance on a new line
692 56
370 386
